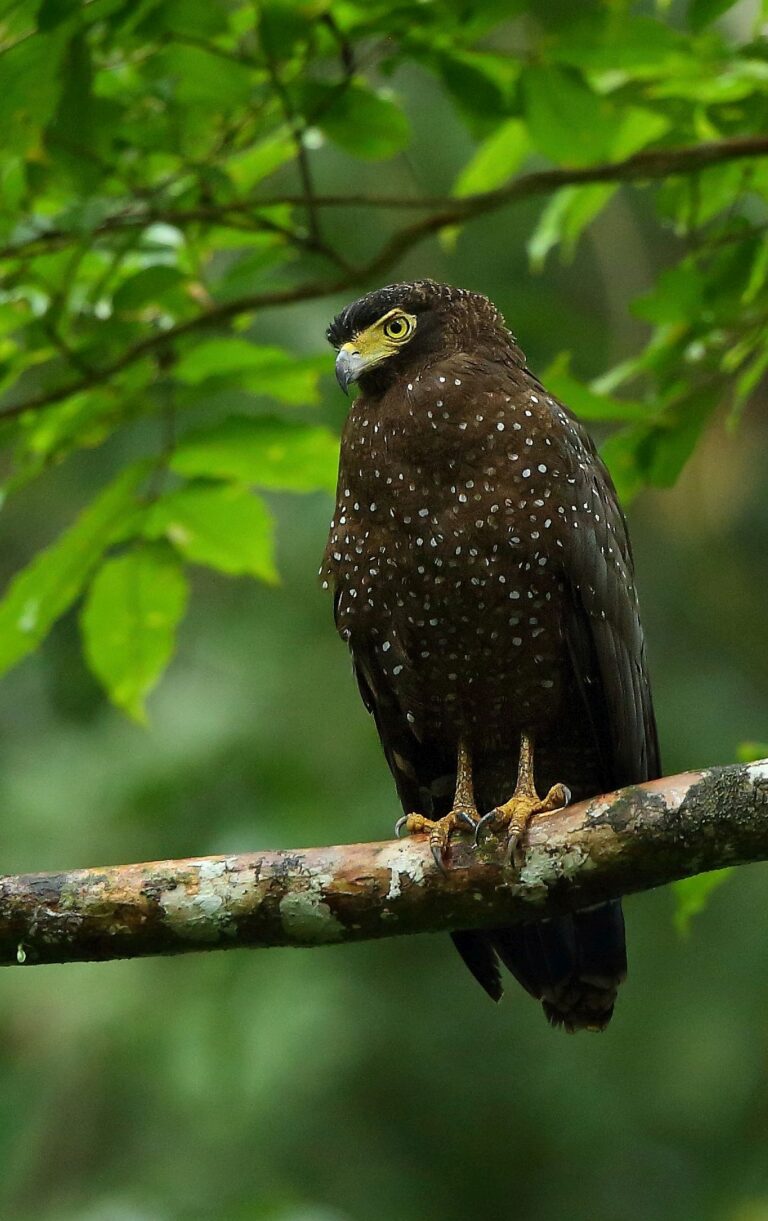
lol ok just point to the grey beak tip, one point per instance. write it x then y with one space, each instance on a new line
348 368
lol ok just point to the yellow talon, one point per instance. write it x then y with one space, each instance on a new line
523 805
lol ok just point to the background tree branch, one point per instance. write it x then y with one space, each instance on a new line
444 214
639 838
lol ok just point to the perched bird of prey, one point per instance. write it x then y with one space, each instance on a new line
483 581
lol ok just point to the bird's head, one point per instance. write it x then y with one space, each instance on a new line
396 330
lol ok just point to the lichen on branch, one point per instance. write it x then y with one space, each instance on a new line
636 839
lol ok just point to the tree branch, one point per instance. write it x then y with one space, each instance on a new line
614 845
644 166
243 216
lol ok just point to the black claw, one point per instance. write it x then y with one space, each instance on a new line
437 856
487 818
399 825
568 796
467 818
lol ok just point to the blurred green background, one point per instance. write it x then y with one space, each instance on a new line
377 1081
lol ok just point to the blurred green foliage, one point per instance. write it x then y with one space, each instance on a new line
168 269
693 894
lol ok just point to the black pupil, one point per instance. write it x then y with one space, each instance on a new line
397 327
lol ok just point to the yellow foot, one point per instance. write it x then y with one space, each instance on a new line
514 816
439 830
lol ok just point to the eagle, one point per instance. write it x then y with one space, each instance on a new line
483 580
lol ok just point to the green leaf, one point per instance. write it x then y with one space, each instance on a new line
758 273
575 126
677 296
49 585
227 357
129 621
282 24
620 456
263 370
583 400
637 128
495 160
74 126
480 82
567 121
655 453
152 285
612 40
360 121
50 14
692 895
715 84
702 13
193 18
31 88
13 185
564 217
258 162
748 380
752 752
80 422
269 453
201 78
223 526
669 446
234 277
714 190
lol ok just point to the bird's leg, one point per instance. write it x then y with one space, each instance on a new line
463 812
515 814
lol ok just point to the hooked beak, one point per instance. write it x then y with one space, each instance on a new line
349 365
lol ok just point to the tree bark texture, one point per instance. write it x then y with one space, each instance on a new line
636 839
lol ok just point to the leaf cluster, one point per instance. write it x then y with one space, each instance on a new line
158 193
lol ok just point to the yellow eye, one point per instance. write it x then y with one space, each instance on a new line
398 328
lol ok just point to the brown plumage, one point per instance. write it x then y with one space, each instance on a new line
483 581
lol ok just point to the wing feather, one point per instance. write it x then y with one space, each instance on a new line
603 630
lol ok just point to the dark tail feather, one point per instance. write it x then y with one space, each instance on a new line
479 956
573 963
